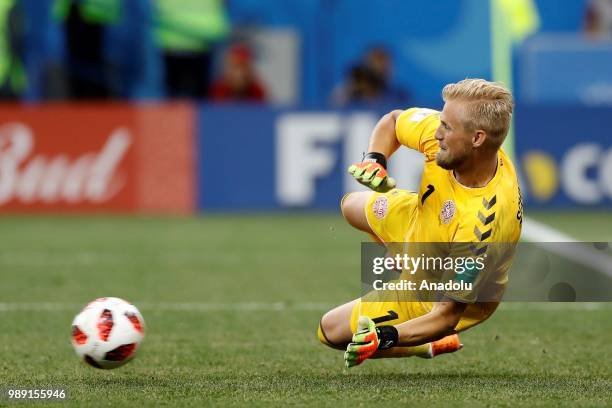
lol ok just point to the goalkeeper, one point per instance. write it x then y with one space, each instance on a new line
468 193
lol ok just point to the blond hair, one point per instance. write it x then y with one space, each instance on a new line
489 106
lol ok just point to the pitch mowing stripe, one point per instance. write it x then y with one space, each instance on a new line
275 307
175 307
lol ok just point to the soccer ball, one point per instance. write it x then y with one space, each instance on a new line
108 332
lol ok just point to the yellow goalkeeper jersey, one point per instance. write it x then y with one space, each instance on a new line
443 210
460 214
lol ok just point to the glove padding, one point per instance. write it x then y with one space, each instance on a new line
372 175
364 343
367 340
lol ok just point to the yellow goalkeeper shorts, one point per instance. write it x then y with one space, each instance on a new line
390 217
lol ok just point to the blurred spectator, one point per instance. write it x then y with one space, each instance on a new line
12 73
88 72
598 19
186 31
370 82
238 81
361 86
379 61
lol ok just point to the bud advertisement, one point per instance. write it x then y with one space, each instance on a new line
109 158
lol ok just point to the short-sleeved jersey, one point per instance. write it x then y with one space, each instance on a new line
443 210
491 213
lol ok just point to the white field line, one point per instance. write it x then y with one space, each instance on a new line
547 237
534 231
274 307
555 306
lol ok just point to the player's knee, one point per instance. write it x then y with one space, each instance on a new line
322 338
345 203
352 206
328 333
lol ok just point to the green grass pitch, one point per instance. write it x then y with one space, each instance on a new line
232 303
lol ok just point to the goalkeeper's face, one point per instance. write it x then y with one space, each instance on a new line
454 140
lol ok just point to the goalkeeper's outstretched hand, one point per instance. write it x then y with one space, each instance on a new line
372 173
367 340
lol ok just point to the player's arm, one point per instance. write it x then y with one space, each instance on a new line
372 171
414 128
384 139
439 322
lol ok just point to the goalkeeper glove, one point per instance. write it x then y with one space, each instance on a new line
372 172
367 340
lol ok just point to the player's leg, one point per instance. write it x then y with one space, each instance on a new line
393 214
338 325
386 217
448 344
353 209
475 314
390 313
335 326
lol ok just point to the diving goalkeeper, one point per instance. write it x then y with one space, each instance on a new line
469 193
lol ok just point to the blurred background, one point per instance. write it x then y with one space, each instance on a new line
203 145
159 106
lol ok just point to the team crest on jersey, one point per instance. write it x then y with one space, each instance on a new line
448 211
380 207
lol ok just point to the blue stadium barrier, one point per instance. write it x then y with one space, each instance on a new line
565 155
258 158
